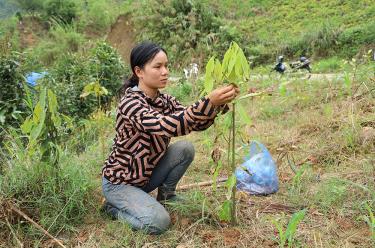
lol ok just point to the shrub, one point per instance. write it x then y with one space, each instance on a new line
351 39
63 10
108 69
185 28
12 88
73 72
100 14
321 41
182 90
68 78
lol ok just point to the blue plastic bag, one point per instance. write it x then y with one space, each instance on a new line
258 174
33 77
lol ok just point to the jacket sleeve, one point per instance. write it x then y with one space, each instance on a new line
198 125
196 117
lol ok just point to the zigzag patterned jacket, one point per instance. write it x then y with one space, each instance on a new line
144 128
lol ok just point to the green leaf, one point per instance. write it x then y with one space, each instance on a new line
238 68
226 59
208 85
210 67
245 67
279 228
85 94
218 71
292 225
225 210
40 115
208 80
52 106
243 115
230 183
232 77
27 125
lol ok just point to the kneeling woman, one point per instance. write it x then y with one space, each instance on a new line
142 159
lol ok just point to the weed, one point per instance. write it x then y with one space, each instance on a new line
287 236
331 194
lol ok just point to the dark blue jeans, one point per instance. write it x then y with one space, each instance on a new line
135 206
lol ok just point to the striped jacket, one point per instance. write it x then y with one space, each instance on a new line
144 128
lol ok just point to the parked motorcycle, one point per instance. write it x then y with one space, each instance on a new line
303 63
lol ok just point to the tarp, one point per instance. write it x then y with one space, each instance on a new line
32 77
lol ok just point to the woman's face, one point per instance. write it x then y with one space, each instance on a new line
154 74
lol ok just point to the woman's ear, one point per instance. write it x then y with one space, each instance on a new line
138 71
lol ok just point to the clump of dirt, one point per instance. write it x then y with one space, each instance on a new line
122 36
30 30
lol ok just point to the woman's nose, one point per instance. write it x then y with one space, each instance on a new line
165 71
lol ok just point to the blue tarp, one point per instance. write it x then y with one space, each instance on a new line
32 77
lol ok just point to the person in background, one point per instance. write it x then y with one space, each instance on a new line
142 159
280 67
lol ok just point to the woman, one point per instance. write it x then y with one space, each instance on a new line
141 159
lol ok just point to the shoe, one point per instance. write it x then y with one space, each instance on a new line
168 194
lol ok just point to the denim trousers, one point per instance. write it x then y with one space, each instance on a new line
135 206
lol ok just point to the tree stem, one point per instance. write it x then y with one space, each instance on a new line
233 167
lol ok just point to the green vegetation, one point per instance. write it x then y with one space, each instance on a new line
55 136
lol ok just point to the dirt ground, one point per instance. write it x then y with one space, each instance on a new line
122 36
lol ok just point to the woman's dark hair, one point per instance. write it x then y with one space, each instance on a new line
139 56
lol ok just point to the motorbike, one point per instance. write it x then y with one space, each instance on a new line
302 64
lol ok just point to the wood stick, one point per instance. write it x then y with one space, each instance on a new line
35 224
14 234
205 183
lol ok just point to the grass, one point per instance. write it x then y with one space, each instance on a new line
298 27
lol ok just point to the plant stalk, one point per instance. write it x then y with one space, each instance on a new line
233 167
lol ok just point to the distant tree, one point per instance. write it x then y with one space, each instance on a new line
29 5
64 10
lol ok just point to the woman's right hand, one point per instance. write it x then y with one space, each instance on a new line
223 95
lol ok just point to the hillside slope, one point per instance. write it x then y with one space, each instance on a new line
320 27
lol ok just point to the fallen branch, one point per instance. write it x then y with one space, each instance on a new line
19 212
205 183
14 234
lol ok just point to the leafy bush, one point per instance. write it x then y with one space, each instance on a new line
186 28
100 14
181 89
108 69
12 88
351 39
68 78
63 10
321 41
73 72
